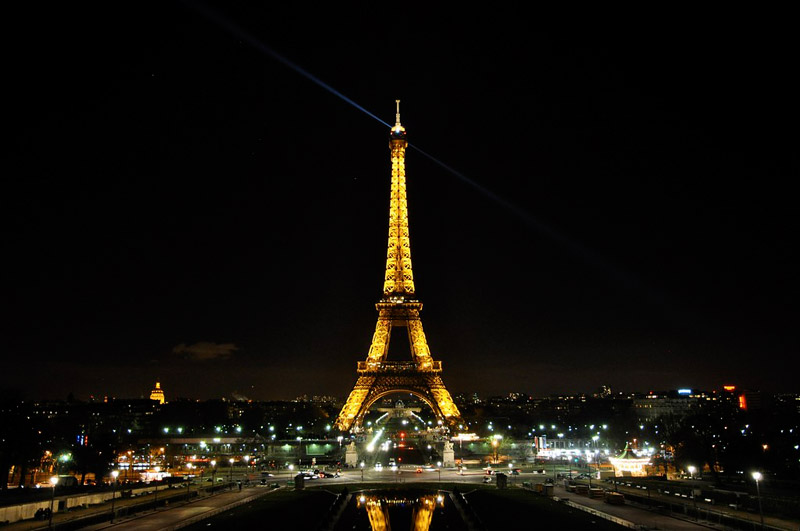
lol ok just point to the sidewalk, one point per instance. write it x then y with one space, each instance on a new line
174 516
646 515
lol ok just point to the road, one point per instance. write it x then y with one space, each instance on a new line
182 513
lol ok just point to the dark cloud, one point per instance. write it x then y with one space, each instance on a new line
205 351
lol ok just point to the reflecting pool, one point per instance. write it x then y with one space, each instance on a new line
417 510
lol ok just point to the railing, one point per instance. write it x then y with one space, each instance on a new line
399 366
599 514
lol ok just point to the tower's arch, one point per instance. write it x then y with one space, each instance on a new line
417 393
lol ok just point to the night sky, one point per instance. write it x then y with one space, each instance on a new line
608 204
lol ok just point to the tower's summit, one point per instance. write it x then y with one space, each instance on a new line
398 282
398 131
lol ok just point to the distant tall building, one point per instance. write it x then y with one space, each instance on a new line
157 394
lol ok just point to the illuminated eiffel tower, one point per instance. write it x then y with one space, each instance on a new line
398 308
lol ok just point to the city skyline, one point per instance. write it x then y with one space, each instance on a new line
201 200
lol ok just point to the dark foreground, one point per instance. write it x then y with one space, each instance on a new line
492 508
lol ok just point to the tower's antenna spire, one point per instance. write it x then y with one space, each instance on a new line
397 116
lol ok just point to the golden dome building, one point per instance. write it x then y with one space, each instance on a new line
157 394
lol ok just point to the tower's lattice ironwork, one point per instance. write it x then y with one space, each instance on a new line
398 308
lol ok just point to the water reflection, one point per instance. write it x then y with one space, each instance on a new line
380 507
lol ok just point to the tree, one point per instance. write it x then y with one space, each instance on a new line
20 444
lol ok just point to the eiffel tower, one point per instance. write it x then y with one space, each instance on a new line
398 308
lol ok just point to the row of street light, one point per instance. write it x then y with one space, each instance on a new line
757 476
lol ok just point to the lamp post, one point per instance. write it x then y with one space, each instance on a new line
213 475
230 472
757 476
589 466
597 462
53 482
188 481
155 498
291 467
691 470
114 475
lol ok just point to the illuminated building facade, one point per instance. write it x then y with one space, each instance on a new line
629 464
157 394
398 308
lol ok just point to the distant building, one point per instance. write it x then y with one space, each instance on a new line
652 408
680 403
157 394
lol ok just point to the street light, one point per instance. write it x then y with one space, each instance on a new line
213 475
694 500
129 470
757 476
230 475
589 466
155 498
188 481
291 467
53 482
114 475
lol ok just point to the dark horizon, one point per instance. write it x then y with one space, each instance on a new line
606 207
